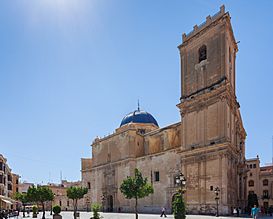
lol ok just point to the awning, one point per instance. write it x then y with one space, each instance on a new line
7 200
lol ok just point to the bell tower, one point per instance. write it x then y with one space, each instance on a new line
208 102
213 136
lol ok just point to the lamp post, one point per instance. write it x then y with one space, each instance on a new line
181 180
103 202
217 191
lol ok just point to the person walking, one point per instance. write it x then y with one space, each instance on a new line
238 212
163 212
254 212
234 211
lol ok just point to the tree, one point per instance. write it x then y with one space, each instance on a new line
178 207
136 187
23 198
76 193
96 208
40 195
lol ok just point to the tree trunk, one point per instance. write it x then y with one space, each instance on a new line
24 210
75 208
136 209
43 205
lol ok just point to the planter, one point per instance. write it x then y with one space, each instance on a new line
57 216
34 215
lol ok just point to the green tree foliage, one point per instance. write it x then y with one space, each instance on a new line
56 209
96 208
24 199
40 195
178 206
136 187
252 200
34 211
76 193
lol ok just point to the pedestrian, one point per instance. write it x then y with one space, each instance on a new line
254 212
234 211
163 212
238 213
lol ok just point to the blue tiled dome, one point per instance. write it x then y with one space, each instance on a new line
138 116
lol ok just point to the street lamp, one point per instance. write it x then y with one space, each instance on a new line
217 191
181 180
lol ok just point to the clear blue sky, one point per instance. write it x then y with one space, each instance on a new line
71 69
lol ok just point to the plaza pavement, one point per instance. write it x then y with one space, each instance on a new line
87 215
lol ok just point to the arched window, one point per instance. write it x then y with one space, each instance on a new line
265 182
250 183
202 53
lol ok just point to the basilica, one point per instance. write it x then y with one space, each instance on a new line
207 145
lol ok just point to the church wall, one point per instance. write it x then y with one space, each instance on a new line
123 169
86 166
115 148
204 173
167 164
164 139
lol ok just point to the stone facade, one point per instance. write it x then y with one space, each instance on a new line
86 182
9 183
260 182
23 186
207 145
60 196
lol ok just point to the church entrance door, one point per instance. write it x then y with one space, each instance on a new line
110 204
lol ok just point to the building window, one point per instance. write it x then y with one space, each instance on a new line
250 174
265 194
89 185
250 183
265 182
67 203
211 188
60 203
254 166
156 174
202 53
250 166
141 131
